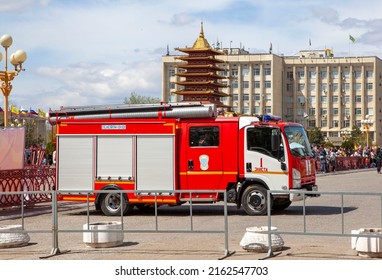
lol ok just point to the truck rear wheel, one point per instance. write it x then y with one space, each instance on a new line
254 200
111 204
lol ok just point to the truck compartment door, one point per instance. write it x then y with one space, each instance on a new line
75 163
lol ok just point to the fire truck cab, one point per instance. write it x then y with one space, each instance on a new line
174 153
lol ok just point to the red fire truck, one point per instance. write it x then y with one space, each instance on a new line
158 152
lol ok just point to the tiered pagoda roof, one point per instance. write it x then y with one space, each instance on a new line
200 79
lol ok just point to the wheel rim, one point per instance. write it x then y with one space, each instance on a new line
113 202
256 200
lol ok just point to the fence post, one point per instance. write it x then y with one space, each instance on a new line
55 250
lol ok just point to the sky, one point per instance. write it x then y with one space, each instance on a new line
90 52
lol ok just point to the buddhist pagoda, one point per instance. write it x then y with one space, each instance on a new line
200 82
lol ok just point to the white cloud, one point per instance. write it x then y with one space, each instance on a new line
94 52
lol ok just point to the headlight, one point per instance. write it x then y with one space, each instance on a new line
296 178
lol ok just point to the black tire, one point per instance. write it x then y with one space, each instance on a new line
281 204
254 200
111 204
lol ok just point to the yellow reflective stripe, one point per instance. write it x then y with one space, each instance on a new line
208 173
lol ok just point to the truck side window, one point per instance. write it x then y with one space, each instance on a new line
259 140
207 136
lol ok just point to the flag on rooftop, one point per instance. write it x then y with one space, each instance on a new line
351 38
33 112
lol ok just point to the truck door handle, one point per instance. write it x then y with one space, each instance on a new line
248 166
190 164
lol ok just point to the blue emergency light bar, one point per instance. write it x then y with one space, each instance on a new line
270 118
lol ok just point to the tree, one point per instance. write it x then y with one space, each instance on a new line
356 136
315 136
139 99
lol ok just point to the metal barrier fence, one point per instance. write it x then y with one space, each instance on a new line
305 232
55 224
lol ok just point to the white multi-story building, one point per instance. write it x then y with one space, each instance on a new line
314 89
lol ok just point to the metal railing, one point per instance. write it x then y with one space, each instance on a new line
55 231
305 232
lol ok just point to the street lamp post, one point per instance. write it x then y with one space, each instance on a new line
6 76
366 125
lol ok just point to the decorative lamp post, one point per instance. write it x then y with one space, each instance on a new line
6 76
366 125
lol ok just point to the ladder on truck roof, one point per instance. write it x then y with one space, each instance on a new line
127 111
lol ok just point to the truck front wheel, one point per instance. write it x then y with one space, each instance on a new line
254 200
111 204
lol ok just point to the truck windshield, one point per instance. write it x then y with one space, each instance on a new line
298 141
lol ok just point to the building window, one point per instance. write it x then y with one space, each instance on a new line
256 97
324 74
234 84
267 84
245 71
347 111
358 87
268 97
312 99
245 110
333 133
235 97
289 87
267 71
312 123
369 74
346 123
256 71
256 84
171 72
312 74
335 98
335 111
245 84
369 86
324 111
312 87
256 110
369 98
346 87
346 74
346 98
334 74
335 87
312 111
357 74
323 99
234 72
290 75
268 109
357 111
324 88
246 97
369 111
324 123
300 74
357 98
300 87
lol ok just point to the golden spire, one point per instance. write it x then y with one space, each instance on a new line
201 42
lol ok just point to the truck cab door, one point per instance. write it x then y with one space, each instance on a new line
204 156
262 159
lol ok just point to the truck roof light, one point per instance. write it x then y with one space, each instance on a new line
270 118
